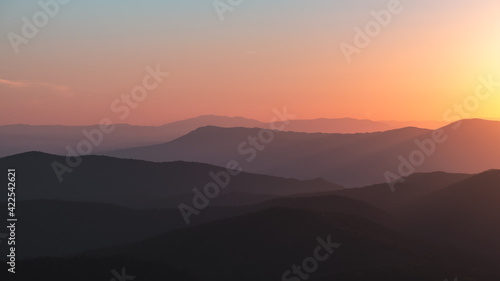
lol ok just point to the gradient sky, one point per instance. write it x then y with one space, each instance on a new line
265 54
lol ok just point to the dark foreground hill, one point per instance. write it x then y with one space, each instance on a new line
85 269
264 245
64 228
465 214
415 186
143 184
445 225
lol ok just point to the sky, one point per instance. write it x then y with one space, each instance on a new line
263 54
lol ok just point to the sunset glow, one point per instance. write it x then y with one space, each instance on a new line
261 56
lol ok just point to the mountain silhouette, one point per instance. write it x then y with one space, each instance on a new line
144 184
84 269
336 125
54 139
464 214
347 159
263 245
414 187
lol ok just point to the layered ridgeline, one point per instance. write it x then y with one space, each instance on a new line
285 244
464 214
16 139
468 146
274 244
59 224
55 139
140 184
444 205
264 240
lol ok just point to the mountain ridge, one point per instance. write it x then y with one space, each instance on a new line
337 158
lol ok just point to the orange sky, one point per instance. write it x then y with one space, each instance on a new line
260 57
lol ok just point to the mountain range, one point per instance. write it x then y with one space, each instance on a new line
430 228
346 159
269 206
140 184
54 139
